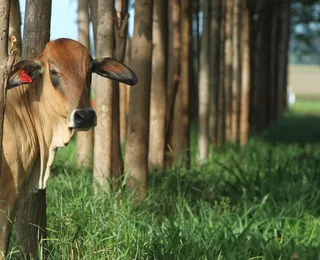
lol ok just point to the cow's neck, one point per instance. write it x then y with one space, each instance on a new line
43 131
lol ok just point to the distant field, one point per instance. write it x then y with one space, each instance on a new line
305 81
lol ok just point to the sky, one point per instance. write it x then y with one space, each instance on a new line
63 18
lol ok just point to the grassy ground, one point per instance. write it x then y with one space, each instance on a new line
259 202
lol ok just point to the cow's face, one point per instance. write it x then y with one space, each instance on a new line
66 67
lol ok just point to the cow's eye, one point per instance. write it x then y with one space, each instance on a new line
53 72
54 77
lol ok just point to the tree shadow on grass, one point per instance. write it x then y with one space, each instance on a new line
294 129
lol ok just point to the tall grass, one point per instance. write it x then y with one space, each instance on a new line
257 202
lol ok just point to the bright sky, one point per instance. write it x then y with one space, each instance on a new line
63 18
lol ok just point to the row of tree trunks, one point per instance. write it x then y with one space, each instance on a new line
241 81
31 213
269 39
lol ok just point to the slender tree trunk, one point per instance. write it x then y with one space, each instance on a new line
84 139
228 69
283 57
4 28
15 24
136 159
6 65
221 133
236 84
180 139
124 95
158 87
104 129
274 61
93 5
203 86
121 33
245 73
173 76
215 19
31 214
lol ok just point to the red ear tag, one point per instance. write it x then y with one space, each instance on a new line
24 77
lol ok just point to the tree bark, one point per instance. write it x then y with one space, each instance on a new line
121 32
203 86
15 24
221 131
4 29
236 84
158 87
215 21
84 138
173 72
93 5
104 129
31 215
245 73
124 96
228 69
283 57
180 139
136 159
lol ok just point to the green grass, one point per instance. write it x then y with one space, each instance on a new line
257 202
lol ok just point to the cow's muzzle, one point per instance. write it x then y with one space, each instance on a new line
82 119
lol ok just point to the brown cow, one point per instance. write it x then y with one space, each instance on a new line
42 116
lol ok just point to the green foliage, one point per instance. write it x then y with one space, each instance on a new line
305 32
256 202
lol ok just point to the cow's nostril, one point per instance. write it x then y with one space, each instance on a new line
83 119
78 117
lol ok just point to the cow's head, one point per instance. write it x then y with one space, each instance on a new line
65 67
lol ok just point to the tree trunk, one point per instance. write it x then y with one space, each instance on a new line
6 66
173 76
136 159
4 29
15 23
31 214
158 87
103 131
283 57
236 84
221 133
84 138
124 96
245 73
203 86
180 139
93 5
121 33
228 69
215 21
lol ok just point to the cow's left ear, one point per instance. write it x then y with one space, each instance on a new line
114 69
24 72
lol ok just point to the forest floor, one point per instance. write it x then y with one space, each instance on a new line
261 201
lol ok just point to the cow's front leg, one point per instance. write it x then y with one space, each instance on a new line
7 203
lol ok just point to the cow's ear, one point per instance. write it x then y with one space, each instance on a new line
24 72
114 69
